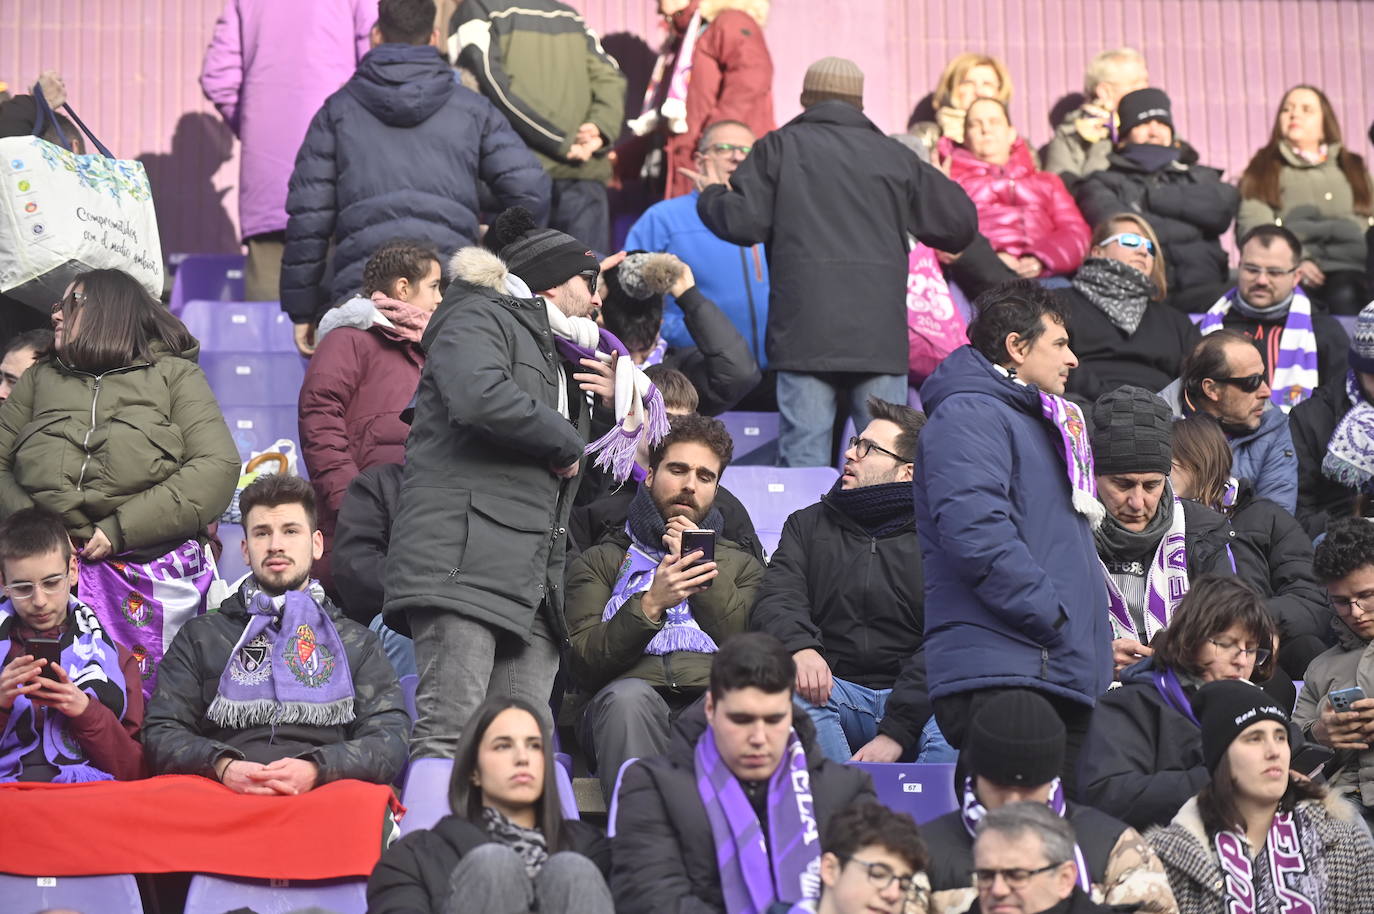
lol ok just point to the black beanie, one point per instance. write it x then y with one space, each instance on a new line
543 258
1016 740
1135 108
1226 707
1131 432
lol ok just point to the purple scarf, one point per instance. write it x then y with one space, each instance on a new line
1171 690
1166 584
972 813
754 872
288 667
1067 421
1295 369
1289 872
91 659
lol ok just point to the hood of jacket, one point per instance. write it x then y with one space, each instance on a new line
402 85
160 351
480 267
964 164
358 312
1139 673
966 370
755 9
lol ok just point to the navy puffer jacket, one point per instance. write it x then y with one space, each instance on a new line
396 153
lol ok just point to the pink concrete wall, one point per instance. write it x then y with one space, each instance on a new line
132 65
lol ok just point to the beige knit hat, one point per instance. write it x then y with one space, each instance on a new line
833 78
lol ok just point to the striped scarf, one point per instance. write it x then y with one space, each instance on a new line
1294 374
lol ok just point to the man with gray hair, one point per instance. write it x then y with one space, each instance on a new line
1083 140
1024 862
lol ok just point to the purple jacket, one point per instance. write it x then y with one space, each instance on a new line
269 68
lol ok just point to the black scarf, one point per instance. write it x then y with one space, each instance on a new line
1119 290
647 526
1118 546
1151 157
881 509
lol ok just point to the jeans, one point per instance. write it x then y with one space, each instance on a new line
399 649
581 209
627 719
491 878
849 720
461 662
808 404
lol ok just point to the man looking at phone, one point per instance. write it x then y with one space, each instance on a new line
71 705
645 614
1343 677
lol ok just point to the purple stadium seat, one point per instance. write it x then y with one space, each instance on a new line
913 398
770 494
750 431
409 684
615 797
1347 321
217 894
961 301
924 791
425 795
213 277
103 894
254 379
566 798
231 564
237 326
255 428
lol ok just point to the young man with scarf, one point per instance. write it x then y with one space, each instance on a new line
1005 508
844 593
645 617
728 820
1013 753
277 692
502 416
1151 542
1301 349
1224 376
72 721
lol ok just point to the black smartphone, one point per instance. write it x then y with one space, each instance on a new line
1310 758
1342 699
704 540
49 649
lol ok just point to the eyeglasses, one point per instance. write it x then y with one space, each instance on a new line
592 277
727 148
1131 240
1248 384
1249 269
1260 654
24 590
862 446
1015 879
1363 601
880 875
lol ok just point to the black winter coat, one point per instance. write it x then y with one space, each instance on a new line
396 153
1108 358
1296 602
592 522
720 365
833 199
413 875
361 538
856 599
1312 423
663 855
1188 206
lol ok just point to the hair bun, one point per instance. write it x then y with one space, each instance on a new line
646 275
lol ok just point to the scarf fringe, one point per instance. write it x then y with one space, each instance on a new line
616 450
80 774
266 712
1089 507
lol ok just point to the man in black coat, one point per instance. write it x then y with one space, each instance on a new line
688 822
843 593
834 202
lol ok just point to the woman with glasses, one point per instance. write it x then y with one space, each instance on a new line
1258 837
117 431
1272 550
1118 328
1305 180
1142 758
505 845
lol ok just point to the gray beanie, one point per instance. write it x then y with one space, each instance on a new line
1362 343
1132 432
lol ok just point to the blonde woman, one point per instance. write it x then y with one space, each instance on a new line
966 78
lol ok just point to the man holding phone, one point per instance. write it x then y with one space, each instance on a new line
650 604
1333 707
71 704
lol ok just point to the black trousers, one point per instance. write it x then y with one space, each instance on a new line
580 209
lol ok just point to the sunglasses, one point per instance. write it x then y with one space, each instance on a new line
1249 384
592 277
727 148
1131 240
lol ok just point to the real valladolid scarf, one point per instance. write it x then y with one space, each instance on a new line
1165 586
1349 456
1067 420
91 660
1295 372
677 54
755 873
1287 886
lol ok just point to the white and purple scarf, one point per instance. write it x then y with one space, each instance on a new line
91 660
1289 886
288 667
1067 420
1165 586
1349 456
1295 372
971 811
757 870
675 53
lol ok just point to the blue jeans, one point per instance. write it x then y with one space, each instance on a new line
808 404
849 720
399 649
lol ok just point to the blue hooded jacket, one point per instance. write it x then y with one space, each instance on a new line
396 153
1014 595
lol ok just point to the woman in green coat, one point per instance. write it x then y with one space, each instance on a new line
1306 181
116 430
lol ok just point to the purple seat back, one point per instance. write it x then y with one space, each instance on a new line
213 277
217 894
409 683
1347 321
254 379
256 428
425 795
90 894
925 792
750 431
238 326
771 494
231 563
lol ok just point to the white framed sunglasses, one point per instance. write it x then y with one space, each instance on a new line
1131 240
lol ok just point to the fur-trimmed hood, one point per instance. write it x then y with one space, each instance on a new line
480 267
358 312
755 9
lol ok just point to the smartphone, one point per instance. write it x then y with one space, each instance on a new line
704 540
1342 699
49 649
1310 758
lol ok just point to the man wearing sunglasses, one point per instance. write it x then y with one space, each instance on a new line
1224 376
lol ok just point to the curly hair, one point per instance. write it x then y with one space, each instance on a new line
699 430
396 260
1349 545
874 825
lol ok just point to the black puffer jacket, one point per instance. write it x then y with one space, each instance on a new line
1108 358
720 365
362 537
1295 600
858 600
1312 423
413 875
663 854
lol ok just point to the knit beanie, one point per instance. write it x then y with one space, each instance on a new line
1132 432
1362 344
1226 707
1135 108
1016 740
833 78
543 258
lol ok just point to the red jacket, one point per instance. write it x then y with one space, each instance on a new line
1022 210
732 80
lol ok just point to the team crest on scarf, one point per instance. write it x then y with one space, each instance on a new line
252 665
145 662
308 660
135 609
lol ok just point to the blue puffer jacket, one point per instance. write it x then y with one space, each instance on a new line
396 153
1014 591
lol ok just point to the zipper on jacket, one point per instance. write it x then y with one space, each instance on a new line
753 318
86 441
1044 663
